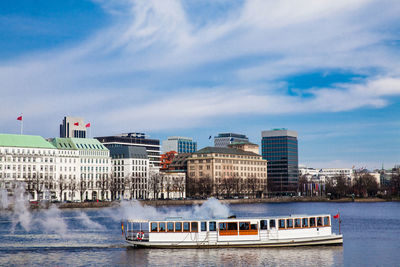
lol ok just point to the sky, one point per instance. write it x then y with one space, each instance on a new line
329 70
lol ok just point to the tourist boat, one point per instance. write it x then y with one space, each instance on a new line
293 230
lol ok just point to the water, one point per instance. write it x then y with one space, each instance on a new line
66 238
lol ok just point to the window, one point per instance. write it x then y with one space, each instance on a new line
232 226
281 224
305 222
271 224
244 226
212 226
253 226
289 223
154 227
195 226
170 227
326 221
186 227
264 224
319 221
312 222
297 223
223 226
178 227
203 226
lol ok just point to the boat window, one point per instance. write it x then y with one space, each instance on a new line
178 227
203 226
264 224
326 221
186 227
136 226
170 227
162 227
244 225
312 222
223 226
281 224
195 226
297 223
253 226
154 227
212 226
272 224
289 223
319 221
305 222
232 226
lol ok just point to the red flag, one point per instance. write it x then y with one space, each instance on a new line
19 118
76 123
336 216
87 125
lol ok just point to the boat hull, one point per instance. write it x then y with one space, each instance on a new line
315 241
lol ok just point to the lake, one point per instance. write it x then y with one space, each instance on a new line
84 237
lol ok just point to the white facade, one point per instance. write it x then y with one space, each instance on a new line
167 185
68 174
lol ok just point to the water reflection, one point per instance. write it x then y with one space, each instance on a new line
301 256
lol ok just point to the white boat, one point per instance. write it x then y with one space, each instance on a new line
293 230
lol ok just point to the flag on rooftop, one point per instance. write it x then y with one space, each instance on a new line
76 123
87 125
19 118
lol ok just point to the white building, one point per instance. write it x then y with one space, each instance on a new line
335 172
130 172
167 185
31 160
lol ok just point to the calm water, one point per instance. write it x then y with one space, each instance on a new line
67 238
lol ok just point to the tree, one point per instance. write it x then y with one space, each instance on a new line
365 185
61 187
82 187
395 182
228 186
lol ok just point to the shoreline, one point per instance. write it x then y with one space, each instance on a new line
224 201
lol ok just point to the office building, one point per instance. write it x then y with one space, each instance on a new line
137 140
179 144
224 139
280 149
73 127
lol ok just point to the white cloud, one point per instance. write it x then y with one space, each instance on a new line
130 73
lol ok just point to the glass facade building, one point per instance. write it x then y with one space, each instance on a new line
179 144
280 149
225 139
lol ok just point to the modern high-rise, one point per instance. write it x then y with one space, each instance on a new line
179 144
73 127
224 139
280 149
135 139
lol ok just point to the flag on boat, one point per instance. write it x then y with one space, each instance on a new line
87 125
336 216
19 118
76 123
122 227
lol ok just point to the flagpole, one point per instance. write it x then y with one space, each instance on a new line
22 123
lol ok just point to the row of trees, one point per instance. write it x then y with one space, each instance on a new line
227 187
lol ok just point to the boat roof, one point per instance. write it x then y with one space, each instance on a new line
167 219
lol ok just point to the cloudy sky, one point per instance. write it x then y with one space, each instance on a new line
328 69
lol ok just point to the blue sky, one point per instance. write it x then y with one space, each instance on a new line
327 69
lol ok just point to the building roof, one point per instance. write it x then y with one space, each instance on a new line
126 152
20 140
242 143
225 150
63 143
87 144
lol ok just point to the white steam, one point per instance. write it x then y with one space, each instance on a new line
4 202
88 223
212 208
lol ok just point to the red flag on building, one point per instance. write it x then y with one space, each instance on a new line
19 118
336 216
87 125
76 123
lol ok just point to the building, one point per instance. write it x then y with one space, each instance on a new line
168 184
229 172
31 160
95 169
329 173
179 144
137 140
68 171
73 127
166 160
280 149
130 172
245 146
224 139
